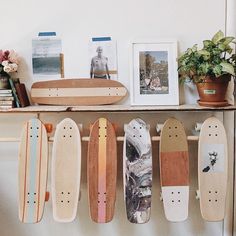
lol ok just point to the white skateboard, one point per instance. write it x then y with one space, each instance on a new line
212 169
66 170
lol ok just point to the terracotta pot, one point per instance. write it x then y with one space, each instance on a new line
213 89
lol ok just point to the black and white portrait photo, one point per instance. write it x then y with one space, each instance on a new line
103 63
153 72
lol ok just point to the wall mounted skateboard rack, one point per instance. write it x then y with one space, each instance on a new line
86 139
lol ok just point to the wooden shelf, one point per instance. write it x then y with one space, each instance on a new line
114 108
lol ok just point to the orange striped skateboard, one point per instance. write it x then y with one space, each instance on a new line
33 163
78 92
102 171
66 168
174 170
212 169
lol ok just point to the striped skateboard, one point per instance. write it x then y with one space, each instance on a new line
33 163
102 171
78 92
66 165
174 170
212 169
137 168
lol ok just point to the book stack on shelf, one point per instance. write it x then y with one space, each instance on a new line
14 96
6 99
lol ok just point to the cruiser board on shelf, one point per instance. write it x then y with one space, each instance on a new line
66 169
78 92
137 170
174 170
102 171
33 166
212 169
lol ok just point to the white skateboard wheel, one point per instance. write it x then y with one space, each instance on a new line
198 126
159 128
197 194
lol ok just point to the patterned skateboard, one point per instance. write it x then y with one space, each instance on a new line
102 171
78 92
33 165
212 169
66 165
137 168
174 170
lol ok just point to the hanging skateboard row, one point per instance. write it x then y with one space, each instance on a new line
137 169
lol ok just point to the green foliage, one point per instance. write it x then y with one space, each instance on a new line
214 59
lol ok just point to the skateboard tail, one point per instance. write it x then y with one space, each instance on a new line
176 201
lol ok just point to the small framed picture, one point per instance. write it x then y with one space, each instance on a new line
154 77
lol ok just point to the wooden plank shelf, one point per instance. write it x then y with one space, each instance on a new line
114 108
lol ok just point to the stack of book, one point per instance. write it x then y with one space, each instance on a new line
15 96
6 99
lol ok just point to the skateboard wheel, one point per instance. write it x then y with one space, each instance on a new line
159 128
161 197
47 195
198 126
49 127
197 194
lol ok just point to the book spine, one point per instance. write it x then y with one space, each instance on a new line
17 101
9 103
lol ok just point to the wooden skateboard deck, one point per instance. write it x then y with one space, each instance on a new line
137 168
174 170
66 170
102 171
33 165
78 92
212 169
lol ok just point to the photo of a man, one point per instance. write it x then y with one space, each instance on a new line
99 65
102 58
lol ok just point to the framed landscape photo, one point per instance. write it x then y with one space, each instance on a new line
154 77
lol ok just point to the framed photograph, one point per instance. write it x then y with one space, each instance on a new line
103 58
154 77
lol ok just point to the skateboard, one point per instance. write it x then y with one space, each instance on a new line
102 171
78 92
33 165
212 169
174 170
137 168
66 171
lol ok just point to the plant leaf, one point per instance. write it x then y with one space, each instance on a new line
227 40
217 37
207 43
227 67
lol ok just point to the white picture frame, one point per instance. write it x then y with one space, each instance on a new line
154 76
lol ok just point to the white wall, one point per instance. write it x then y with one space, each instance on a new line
76 22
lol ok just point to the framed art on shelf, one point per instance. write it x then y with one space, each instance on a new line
154 77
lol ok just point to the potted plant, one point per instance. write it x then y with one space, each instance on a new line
210 68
